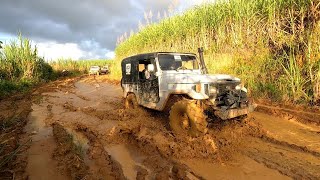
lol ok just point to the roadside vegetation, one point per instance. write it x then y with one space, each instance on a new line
77 67
273 45
21 67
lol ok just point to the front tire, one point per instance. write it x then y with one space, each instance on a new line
187 118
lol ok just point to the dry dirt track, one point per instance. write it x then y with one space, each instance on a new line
80 130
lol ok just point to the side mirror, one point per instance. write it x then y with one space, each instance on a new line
150 67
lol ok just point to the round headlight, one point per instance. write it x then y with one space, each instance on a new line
213 90
241 87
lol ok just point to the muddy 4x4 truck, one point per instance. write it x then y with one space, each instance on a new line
178 83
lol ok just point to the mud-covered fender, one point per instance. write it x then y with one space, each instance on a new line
179 89
189 90
129 88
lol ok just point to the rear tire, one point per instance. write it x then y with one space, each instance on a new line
187 118
131 102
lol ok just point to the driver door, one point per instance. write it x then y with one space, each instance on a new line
148 87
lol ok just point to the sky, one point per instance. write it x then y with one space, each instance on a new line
79 29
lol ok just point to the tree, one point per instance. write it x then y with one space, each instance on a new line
0 44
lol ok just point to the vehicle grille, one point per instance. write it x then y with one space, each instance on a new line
227 95
206 89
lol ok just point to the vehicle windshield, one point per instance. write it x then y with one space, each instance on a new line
178 62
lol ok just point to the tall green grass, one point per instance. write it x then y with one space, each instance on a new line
20 66
273 45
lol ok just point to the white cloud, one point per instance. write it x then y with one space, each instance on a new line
110 55
85 30
191 3
53 50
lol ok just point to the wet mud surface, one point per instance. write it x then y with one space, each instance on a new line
80 130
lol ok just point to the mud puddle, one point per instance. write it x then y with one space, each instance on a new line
80 140
129 159
241 168
290 131
40 162
98 139
295 163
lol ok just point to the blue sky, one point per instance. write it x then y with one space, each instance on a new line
86 29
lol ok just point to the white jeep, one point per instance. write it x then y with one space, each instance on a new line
179 83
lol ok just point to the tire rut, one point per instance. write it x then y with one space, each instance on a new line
287 159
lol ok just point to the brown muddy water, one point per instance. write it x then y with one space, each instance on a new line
40 163
115 143
128 158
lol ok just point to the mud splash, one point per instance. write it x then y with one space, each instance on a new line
219 144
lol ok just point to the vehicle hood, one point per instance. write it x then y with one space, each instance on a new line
187 78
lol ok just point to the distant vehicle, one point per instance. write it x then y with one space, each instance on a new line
64 72
95 70
180 83
105 70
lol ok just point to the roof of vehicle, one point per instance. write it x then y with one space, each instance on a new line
154 54
94 66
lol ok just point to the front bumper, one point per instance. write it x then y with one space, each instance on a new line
93 72
232 113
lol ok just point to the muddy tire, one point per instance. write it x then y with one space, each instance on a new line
131 102
242 118
186 118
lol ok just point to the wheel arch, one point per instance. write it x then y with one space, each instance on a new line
173 98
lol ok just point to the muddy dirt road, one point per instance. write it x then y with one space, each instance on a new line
80 130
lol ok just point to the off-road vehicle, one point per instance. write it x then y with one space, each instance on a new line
95 70
179 83
105 70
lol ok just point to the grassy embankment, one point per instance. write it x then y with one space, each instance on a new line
21 68
273 45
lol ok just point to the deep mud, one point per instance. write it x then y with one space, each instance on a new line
295 163
69 155
89 135
309 115
13 117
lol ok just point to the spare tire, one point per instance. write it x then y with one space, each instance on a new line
131 102
187 118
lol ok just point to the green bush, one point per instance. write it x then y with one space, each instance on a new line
21 68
